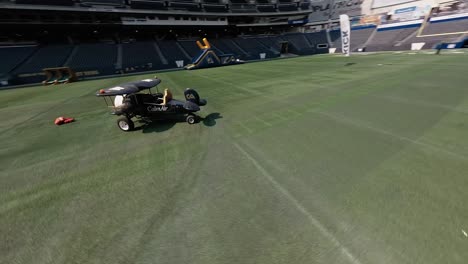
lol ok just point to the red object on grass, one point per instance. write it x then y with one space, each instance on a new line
63 120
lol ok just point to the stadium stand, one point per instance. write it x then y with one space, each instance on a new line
46 2
100 57
438 27
45 57
304 5
243 8
215 8
173 53
148 4
272 42
134 58
360 36
115 3
227 46
254 48
335 39
14 56
276 33
266 8
317 38
190 47
298 44
187 5
387 39
287 7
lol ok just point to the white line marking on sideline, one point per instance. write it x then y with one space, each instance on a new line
359 123
464 233
299 206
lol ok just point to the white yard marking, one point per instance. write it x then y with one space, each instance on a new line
464 233
316 223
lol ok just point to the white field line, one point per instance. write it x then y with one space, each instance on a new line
316 223
358 123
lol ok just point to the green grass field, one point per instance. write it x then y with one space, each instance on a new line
321 159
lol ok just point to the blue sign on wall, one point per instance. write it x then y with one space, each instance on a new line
405 10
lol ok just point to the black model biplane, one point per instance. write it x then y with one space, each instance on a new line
129 100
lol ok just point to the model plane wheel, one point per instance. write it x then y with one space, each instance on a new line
191 119
125 124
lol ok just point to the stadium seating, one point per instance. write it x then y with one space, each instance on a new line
13 56
187 5
46 57
173 53
304 5
46 2
99 57
360 36
190 47
134 59
227 46
243 8
430 41
254 48
215 8
266 8
287 7
272 42
317 38
387 39
437 27
335 38
116 3
148 4
298 44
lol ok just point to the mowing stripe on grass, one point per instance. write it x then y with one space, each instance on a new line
420 102
299 206
358 123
